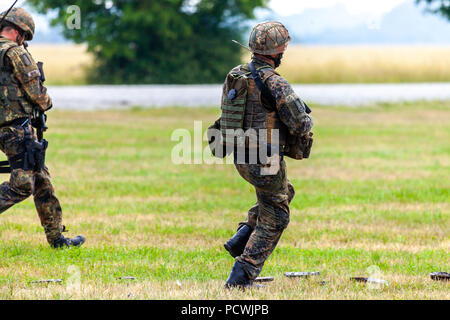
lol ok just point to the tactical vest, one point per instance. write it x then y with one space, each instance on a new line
247 110
13 104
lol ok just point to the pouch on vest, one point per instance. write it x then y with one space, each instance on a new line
216 146
234 100
34 157
299 147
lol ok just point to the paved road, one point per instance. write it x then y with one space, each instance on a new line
103 97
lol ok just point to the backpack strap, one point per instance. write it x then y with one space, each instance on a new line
3 54
264 90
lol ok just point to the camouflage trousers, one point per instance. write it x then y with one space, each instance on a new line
23 184
268 217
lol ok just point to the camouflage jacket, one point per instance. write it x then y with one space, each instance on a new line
288 115
20 89
290 108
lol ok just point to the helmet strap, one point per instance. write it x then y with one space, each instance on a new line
20 38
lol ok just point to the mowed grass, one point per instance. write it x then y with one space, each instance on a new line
373 200
67 64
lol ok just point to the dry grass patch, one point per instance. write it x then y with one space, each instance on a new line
329 287
63 63
330 64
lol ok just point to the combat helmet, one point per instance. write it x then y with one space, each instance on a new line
21 19
268 38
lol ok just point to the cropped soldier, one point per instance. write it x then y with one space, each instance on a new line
22 97
272 105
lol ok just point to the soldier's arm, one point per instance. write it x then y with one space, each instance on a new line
27 73
291 109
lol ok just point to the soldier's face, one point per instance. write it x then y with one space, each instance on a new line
13 35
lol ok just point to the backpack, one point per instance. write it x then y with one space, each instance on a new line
234 101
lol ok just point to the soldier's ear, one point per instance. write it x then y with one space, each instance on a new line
20 37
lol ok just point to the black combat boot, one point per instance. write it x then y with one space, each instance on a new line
75 242
236 245
238 278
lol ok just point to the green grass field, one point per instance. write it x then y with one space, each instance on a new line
374 195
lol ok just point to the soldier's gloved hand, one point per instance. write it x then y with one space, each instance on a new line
311 120
47 106
307 141
35 122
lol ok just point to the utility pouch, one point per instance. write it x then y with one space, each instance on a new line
34 156
299 147
218 149
234 101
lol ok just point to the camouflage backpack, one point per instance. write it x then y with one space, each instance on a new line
234 100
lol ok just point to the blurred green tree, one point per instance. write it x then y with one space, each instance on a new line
155 41
438 6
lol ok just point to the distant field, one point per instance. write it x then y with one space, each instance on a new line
65 64
358 64
373 196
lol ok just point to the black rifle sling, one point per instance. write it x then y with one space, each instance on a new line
264 91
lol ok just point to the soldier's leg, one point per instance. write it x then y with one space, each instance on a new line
236 244
18 188
252 215
20 183
274 195
47 205
49 210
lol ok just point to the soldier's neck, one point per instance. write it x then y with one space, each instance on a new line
258 59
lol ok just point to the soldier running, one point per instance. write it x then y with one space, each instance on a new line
22 96
269 105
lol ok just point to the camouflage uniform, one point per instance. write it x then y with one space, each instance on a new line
22 184
270 215
20 93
